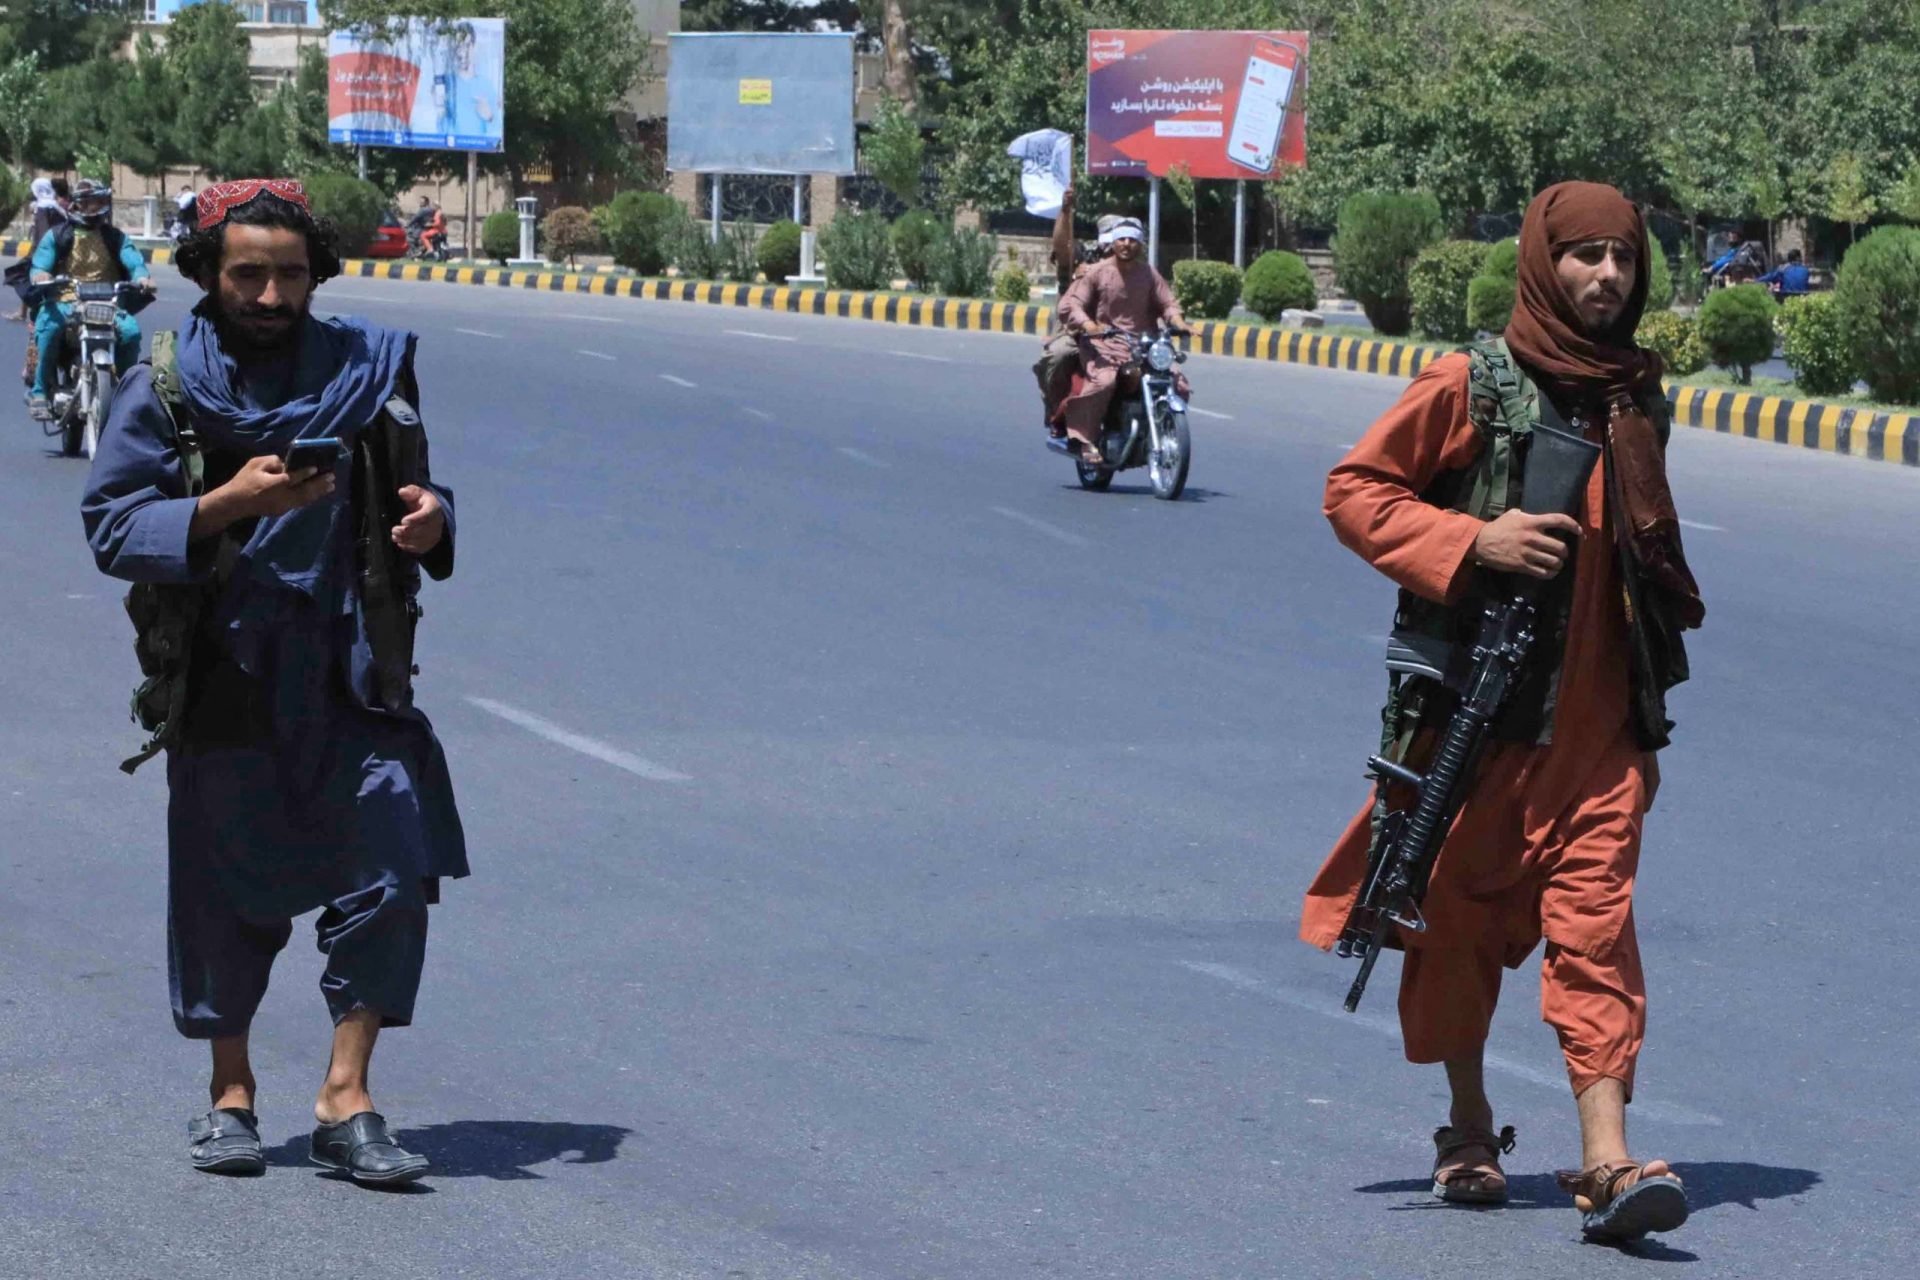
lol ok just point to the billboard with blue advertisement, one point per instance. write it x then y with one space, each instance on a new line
437 85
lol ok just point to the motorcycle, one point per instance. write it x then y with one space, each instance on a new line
83 385
430 242
1146 423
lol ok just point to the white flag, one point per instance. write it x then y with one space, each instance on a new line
1046 169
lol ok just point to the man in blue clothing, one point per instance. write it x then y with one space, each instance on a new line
1789 279
89 249
302 777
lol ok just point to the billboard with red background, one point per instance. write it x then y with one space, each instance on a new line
1227 104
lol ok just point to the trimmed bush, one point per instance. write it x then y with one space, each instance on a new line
355 207
1279 281
1490 302
568 231
1812 342
1736 324
500 235
915 238
1438 282
1676 338
779 251
857 252
1013 284
1206 290
1877 292
638 228
1491 293
963 262
1659 279
1378 236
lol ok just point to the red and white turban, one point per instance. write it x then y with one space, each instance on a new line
222 198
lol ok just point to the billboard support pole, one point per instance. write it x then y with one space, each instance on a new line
363 164
473 180
798 179
715 180
1240 225
1153 222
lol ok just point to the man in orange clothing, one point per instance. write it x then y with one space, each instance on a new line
1547 842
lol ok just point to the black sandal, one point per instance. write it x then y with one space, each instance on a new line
226 1141
361 1148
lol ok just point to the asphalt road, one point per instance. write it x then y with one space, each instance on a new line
888 856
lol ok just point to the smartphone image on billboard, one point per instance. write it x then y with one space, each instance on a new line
1254 143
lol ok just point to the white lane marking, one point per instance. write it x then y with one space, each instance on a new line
1324 1005
1051 530
678 382
1705 528
586 746
761 414
915 355
477 333
597 355
1209 413
575 315
764 337
858 456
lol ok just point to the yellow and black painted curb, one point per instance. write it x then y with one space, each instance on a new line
1808 424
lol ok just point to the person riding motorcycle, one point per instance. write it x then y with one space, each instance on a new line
428 226
1060 356
1124 293
89 249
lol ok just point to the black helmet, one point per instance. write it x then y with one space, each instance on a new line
92 203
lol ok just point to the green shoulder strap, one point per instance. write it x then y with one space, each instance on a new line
166 383
1501 401
166 615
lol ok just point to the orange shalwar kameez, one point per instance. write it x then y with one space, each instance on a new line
1549 839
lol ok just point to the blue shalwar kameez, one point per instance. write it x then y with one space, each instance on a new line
291 790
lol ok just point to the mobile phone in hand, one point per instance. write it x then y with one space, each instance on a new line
320 452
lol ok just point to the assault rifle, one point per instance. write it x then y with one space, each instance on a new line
1559 461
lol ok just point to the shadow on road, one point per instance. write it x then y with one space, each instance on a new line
1709 1184
503 1149
1192 493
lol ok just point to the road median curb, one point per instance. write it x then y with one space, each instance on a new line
1874 434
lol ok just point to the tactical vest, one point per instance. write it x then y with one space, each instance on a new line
91 270
1503 405
166 616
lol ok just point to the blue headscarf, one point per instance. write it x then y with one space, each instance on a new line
340 374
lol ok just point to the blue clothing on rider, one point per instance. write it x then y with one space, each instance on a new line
1788 280
50 324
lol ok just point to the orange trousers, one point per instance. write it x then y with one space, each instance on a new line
1575 887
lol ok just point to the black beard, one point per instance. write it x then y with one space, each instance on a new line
249 343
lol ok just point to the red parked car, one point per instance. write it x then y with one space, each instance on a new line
390 239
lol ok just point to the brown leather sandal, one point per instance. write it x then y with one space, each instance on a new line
1458 1177
1624 1200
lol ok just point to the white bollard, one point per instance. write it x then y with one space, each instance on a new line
151 211
528 207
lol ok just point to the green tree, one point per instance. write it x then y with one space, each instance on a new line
896 152
208 57
570 63
1180 182
64 33
1848 198
20 87
139 115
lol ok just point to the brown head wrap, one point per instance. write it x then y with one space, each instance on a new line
1550 338
1547 332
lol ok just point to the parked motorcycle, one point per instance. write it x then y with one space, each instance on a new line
1146 423
84 383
